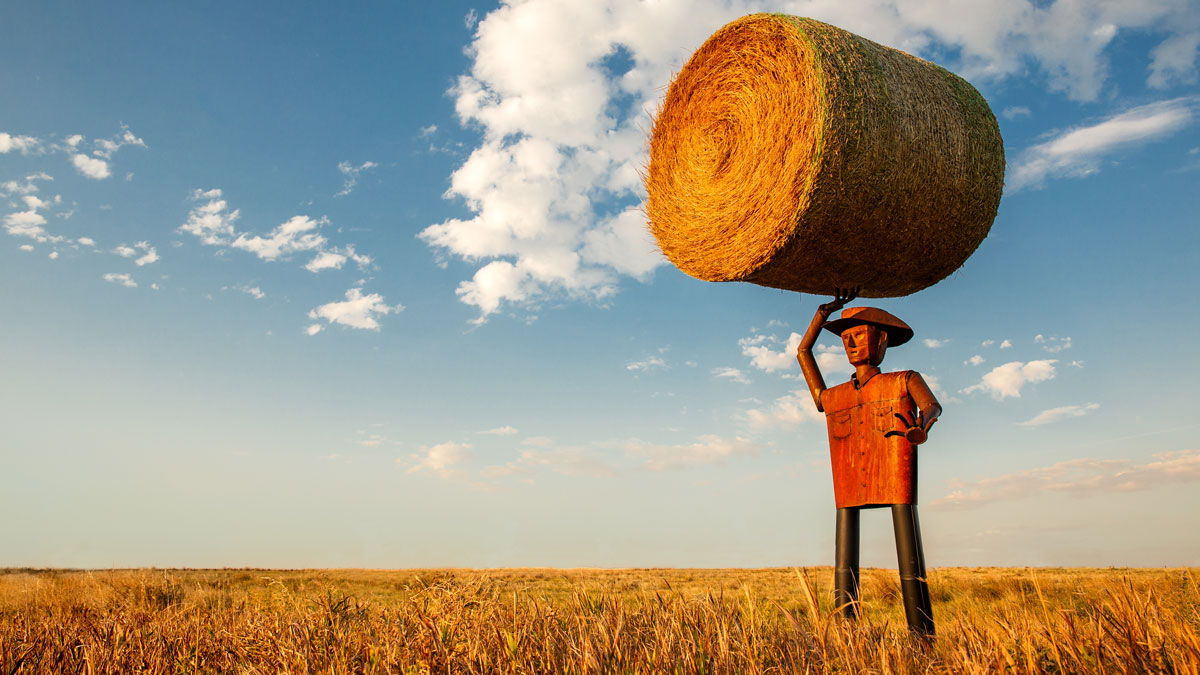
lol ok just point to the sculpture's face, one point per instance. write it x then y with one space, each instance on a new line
864 344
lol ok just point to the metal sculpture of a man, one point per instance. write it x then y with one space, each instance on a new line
875 421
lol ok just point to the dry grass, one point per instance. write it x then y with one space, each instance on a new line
790 153
577 621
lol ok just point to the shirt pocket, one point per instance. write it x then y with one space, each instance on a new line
840 424
884 420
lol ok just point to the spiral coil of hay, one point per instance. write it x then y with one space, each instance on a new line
793 154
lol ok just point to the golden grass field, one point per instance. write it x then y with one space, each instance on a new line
582 621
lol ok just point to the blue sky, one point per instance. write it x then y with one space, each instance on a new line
315 286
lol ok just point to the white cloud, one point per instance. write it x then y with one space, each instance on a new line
505 430
1015 111
648 364
74 140
707 449
788 411
212 221
150 256
1055 414
1080 477
313 328
28 224
356 311
295 235
53 255
833 360
1006 344
1078 151
1008 379
1174 60
1053 344
92 167
254 292
987 343
731 374
26 247
106 147
22 144
86 241
122 278
26 186
334 258
351 173
441 458
933 343
764 352
125 251
975 360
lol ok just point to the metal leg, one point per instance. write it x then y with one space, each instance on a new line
917 606
845 574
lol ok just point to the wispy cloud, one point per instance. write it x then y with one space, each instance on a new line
1052 344
22 144
1079 151
1080 477
646 365
707 449
121 278
1055 414
351 173
787 411
439 459
505 430
731 374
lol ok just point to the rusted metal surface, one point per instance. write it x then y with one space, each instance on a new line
869 468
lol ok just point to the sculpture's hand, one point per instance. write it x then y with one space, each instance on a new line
842 297
916 427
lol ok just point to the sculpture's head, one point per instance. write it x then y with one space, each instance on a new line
867 332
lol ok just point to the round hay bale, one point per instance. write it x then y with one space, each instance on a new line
793 154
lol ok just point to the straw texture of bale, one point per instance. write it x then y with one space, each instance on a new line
792 154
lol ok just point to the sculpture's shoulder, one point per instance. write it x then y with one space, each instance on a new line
890 385
840 397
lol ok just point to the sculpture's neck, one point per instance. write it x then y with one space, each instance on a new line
864 373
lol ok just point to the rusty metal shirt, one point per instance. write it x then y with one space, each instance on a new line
870 469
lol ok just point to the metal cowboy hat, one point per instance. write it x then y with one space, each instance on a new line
897 331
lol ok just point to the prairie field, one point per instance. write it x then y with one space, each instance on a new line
1045 620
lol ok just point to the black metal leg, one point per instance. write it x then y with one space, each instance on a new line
845 574
917 606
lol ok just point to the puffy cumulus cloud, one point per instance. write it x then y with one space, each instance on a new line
707 449
27 224
351 173
299 233
1055 414
440 459
1008 379
122 279
934 343
22 144
1080 477
975 360
211 221
1079 151
86 241
562 92
356 311
768 353
788 411
92 167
